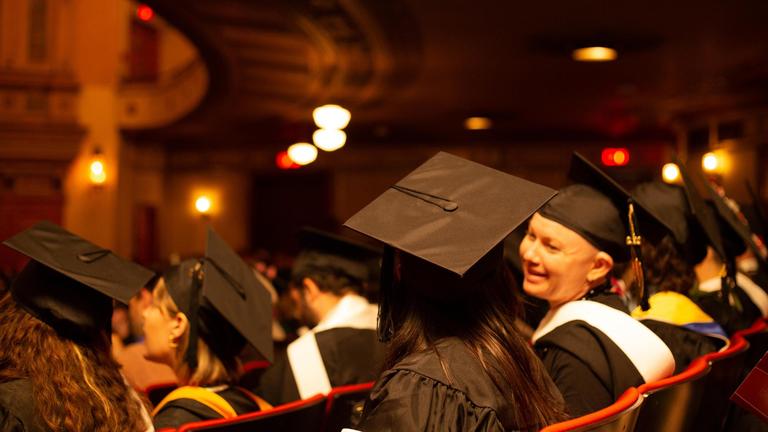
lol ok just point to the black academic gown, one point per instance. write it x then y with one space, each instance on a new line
416 395
182 411
342 349
740 315
588 367
686 345
17 408
350 356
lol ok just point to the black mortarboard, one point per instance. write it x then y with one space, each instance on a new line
605 214
70 282
671 205
731 224
223 301
450 211
323 252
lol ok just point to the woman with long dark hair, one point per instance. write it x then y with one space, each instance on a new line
455 359
56 369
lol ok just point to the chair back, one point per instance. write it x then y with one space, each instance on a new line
304 415
344 406
726 371
672 404
621 416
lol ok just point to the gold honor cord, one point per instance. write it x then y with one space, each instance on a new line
634 241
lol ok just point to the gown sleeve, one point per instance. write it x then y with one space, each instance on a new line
582 391
405 400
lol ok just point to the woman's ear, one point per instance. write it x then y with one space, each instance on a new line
179 325
601 267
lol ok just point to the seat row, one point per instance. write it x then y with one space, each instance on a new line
696 399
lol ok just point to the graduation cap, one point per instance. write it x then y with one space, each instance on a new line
606 215
223 300
323 252
450 213
69 283
732 223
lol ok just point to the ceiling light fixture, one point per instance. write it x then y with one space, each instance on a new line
594 54
329 139
477 123
302 153
331 117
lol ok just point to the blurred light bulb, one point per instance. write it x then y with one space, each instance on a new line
594 54
329 139
203 205
477 123
331 117
670 173
710 162
96 172
302 153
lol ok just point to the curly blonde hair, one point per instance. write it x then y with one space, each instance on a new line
76 386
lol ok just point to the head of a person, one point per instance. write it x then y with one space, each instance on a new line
328 268
204 311
565 255
167 337
670 262
136 306
55 325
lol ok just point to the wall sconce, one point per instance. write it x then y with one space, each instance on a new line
714 162
203 205
96 171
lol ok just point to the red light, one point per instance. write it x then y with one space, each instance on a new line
144 12
283 161
615 156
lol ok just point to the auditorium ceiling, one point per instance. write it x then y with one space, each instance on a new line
414 70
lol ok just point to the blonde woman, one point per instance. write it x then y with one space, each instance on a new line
203 313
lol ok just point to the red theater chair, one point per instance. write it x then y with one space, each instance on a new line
343 403
726 370
672 404
252 372
618 417
304 415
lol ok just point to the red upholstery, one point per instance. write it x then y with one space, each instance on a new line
340 408
625 404
737 344
255 365
253 421
337 391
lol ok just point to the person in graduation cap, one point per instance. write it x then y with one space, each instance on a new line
203 313
331 273
747 301
588 342
56 370
455 360
669 270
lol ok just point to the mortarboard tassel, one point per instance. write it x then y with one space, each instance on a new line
635 241
190 356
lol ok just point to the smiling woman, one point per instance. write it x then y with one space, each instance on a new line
592 348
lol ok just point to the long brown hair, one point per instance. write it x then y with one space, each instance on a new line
76 385
480 311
